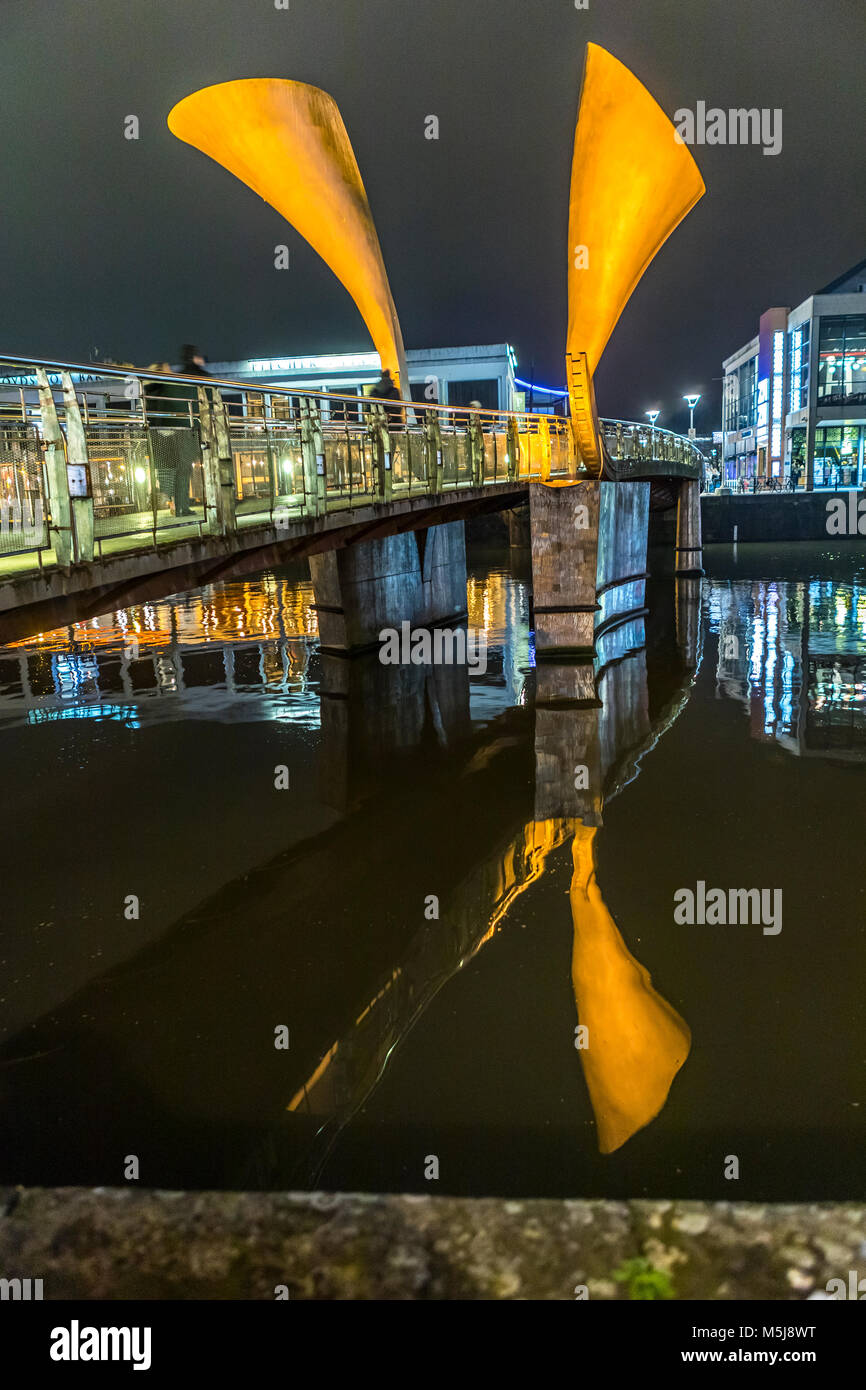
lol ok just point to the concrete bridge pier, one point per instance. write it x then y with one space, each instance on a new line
589 554
689 544
417 577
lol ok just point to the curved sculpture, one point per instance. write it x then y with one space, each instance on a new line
287 141
632 183
637 1041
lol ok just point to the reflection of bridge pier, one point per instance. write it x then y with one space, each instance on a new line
632 1041
688 616
578 741
372 713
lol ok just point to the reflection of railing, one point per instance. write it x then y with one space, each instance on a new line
38 686
215 455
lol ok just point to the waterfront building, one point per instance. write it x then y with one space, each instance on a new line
447 376
795 394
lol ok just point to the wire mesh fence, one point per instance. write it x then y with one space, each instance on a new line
23 505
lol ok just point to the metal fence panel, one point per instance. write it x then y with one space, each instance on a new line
23 506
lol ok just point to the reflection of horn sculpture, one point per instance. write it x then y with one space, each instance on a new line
287 141
632 183
637 1042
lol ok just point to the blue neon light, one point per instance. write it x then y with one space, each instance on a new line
534 386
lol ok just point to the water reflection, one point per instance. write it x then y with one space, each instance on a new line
188 657
407 757
433 783
635 1042
631 1042
794 655
255 641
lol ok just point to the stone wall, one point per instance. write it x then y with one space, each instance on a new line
124 1244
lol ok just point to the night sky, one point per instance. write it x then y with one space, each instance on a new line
132 247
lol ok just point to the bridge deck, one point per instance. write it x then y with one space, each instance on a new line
96 472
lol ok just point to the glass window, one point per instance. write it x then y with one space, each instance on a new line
798 456
740 402
800 367
842 360
485 392
828 457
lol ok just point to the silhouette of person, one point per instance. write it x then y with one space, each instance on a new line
386 390
168 405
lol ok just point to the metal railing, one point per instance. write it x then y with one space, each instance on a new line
172 457
638 450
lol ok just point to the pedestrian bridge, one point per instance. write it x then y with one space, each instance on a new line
94 471
100 490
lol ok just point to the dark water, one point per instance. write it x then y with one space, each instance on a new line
728 748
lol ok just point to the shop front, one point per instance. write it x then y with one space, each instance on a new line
839 456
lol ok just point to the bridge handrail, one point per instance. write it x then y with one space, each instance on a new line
89 461
99 371
655 429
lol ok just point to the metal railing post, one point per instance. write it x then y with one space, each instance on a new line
81 498
57 478
313 451
210 465
226 464
513 437
476 447
546 457
433 451
383 452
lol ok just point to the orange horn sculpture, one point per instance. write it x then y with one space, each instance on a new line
287 141
632 183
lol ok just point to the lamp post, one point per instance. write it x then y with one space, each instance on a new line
652 416
691 401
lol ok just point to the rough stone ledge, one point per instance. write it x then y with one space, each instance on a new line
121 1243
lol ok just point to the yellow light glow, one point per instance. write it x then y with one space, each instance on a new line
637 1041
632 183
287 141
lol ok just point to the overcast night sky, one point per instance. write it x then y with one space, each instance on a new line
132 247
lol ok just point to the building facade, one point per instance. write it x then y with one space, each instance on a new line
447 376
794 397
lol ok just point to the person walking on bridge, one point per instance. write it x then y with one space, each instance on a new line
168 402
386 390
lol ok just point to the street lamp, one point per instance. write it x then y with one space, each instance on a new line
652 416
691 401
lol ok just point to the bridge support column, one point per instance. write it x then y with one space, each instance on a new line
589 547
418 577
689 546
